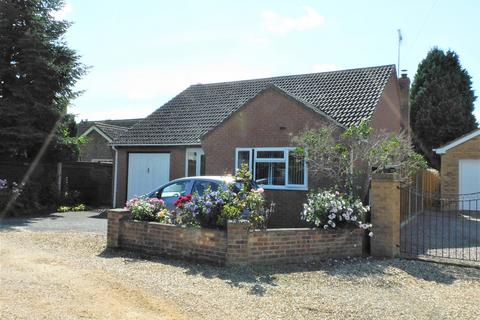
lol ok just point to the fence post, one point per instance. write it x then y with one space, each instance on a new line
59 178
385 209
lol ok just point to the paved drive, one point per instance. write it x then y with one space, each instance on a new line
83 221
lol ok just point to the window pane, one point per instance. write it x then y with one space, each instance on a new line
270 173
191 163
201 186
243 157
270 154
296 169
174 190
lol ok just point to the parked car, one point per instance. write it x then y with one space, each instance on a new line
170 191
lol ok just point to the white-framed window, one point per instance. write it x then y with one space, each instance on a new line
274 168
194 162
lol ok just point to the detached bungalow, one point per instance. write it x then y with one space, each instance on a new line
211 129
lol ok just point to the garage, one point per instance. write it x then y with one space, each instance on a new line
146 171
460 170
469 176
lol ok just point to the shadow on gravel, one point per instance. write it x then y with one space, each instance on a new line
257 279
11 223
260 279
427 271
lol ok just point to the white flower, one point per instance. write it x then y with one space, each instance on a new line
370 234
325 227
333 224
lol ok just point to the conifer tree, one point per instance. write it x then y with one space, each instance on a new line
441 102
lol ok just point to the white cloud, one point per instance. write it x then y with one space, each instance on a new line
64 12
146 89
279 24
324 67
118 113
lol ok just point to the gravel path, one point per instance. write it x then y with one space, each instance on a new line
83 221
57 275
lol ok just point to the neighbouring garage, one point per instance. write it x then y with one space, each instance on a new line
146 171
460 165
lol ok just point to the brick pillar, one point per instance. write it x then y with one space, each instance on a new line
385 206
237 242
113 227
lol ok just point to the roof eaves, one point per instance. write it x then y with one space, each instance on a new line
458 141
99 131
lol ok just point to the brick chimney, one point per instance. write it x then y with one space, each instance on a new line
404 84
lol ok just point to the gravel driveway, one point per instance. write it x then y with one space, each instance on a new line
60 275
83 221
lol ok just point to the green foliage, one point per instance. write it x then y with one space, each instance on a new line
345 157
214 208
229 212
38 72
78 207
441 102
37 196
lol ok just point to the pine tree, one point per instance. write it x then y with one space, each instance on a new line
441 102
37 74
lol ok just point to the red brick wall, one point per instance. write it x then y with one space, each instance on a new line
274 246
238 245
387 115
270 120
170 240
177 167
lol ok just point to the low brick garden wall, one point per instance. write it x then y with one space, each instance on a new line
237 245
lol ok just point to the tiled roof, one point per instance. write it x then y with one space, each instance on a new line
126 123
347 96
110 130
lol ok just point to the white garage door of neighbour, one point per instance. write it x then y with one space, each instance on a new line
147 171
469 181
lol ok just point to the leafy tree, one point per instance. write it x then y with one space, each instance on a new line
347 158
441 102
37 74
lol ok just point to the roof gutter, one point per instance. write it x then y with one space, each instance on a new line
153 145
115 171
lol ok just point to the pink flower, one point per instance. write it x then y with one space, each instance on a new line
259 190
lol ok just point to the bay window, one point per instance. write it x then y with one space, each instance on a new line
274 168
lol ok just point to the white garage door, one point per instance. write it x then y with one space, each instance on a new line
147 171
469 182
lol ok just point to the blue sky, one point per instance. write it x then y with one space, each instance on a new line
144 52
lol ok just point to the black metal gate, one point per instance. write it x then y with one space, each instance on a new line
443 227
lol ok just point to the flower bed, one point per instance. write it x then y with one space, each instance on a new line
237 244
228 226
211 209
